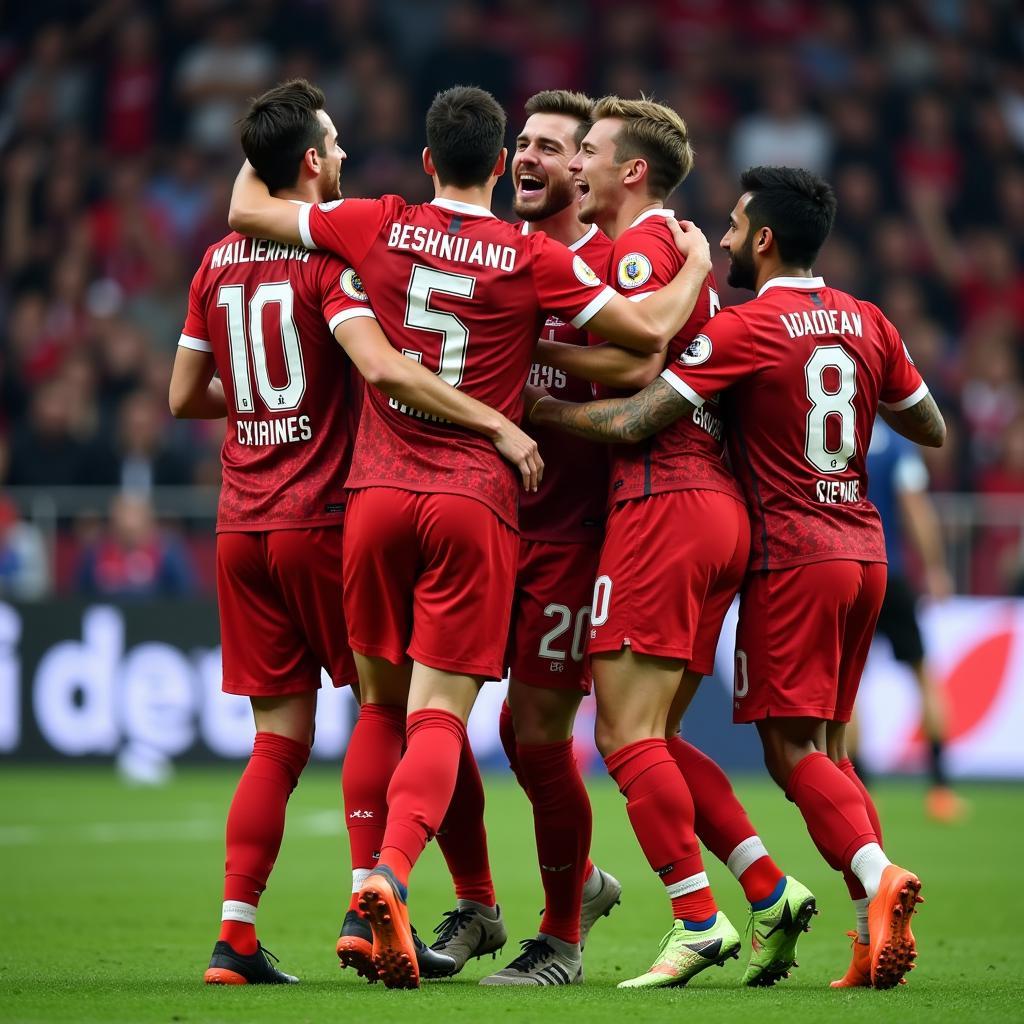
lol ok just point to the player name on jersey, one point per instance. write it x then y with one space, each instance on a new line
826 322
256 250
285 430
447 246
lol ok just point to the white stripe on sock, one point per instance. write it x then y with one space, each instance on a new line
745 854
860 908
358 877
867 864
233 910
687 885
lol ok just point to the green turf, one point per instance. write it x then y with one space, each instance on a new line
111 898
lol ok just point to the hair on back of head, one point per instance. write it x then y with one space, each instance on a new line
279 127
797 205
652 131
465 133
576 105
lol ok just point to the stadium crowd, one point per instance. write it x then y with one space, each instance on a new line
118 144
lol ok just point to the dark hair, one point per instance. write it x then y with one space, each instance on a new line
465 133
279 127
797 205
576 105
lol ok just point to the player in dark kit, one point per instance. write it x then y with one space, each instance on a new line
270 318
658 613
431 544
803 369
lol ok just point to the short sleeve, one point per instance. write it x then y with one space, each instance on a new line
348 227
565 284
195 334
902 386
643 264
341 294
721 355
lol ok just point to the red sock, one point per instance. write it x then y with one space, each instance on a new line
722 824
853 883
373 753
462 836
660 810
507 732
255 827
421 787
562 823
832 807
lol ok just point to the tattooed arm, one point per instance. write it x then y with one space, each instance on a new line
922 423
616 419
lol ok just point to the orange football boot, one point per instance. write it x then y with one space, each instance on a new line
858 974
892 948
382 901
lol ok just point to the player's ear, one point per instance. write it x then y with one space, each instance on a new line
764 239
428 162
636 171
499 166
311 161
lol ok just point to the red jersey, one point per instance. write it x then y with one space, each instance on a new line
806 367
569 505
690 453
267 312
464 294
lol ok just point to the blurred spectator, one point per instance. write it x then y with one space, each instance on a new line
999 558
24 563
132 558
783 132
132 86
44 450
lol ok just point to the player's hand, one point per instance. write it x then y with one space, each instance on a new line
521 450
691 242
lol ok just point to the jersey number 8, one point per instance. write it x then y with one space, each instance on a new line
829 405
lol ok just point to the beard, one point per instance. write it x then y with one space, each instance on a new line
741 266
559 195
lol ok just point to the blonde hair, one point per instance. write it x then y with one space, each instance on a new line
652 131
576 105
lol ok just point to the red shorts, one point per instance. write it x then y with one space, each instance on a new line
803 638
670 566
551 615
429 576
281 618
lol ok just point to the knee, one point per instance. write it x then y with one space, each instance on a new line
533 727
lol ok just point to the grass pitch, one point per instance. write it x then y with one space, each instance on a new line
111 900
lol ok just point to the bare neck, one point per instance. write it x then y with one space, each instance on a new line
476 195
770 269
564 226
302 192
627 212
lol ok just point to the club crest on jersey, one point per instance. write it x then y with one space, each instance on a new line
333 204
634 270
697 352
584 273
352 286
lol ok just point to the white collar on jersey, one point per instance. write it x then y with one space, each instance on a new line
456 207
808 284
658 211
578 244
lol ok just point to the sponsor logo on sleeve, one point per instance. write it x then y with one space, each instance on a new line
333 204
697 352
634 270
352 286
582 271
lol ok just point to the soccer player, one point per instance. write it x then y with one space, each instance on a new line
430 543
899 490
560 525
269 318
804 369
648 667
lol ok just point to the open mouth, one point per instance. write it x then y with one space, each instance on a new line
528 184
582 187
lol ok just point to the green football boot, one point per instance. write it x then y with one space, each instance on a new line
774 932
684 954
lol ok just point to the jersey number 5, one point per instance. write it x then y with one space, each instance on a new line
833 405
232 298
424 283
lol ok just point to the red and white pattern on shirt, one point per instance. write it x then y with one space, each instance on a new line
465 294
806 367
293 397
690 453
569 505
